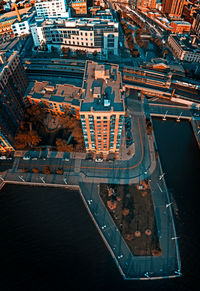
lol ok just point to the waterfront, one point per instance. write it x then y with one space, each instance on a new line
49 241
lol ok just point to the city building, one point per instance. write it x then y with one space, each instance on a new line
173 8
102 109
52 8
88 34
22 25
56 99
185 48
9 18
146 3
79 7
180 26
196 23
13 84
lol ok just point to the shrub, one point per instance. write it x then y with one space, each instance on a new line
35 170
25 170
59 171
46 170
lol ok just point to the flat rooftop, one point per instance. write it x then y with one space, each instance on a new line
12 14
64 93
102 87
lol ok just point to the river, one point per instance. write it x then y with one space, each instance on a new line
48 241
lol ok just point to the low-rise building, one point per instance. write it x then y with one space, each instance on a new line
184 48
9 18
56 99
22 26
88 34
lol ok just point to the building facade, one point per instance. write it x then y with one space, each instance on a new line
79 7
22 26
146 3
51 8
13 84
196 23
86 34
102 109
184 49
173 8
56 99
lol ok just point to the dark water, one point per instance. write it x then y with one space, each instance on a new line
48 241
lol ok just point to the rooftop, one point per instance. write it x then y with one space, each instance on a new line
103 88
12 14
59 93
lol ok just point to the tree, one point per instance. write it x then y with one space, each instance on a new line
62 145
29 138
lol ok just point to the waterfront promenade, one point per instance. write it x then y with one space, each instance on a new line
87 175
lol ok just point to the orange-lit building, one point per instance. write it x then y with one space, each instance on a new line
180 26
99 104
57 99
102 109
79 7
146 3
7 19
173 8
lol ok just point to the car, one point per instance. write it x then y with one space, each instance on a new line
98 160
26 158
34 158
3 158
65 159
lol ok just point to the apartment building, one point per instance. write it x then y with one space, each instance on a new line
173 8
184 48
51 8
102 109
13 84
88 34
146 3
8 19
57 99
22 25
79 7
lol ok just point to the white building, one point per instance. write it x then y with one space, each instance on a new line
88 34
184 48
23 27
51 8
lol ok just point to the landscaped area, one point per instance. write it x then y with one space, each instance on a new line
131 208
40 128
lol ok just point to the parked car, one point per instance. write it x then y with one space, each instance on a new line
99 160
3 158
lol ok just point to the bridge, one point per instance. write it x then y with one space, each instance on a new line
167 110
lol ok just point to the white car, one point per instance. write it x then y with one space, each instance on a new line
98 160
26 158
3 158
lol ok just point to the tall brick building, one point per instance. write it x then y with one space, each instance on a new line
13 84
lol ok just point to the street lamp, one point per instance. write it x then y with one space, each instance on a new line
161 176
164 117
167 205
65 180
175 237
42 179
159 187
21 178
